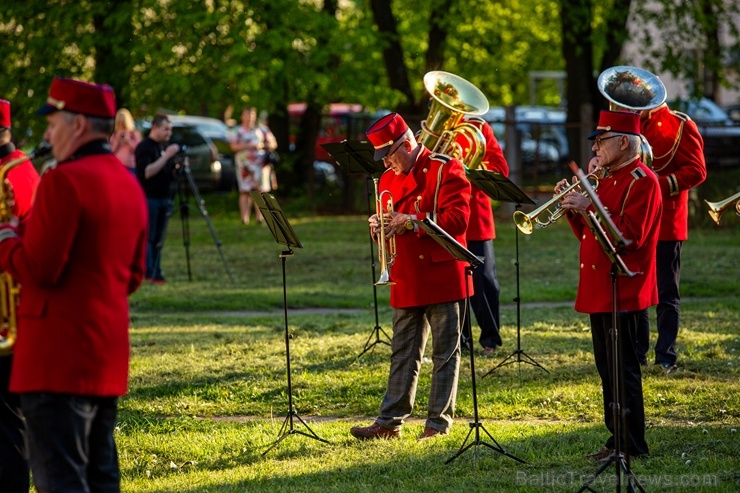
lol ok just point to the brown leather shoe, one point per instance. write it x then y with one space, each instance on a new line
601 454
430 432
373 431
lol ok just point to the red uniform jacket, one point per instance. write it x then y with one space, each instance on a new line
23 180
81 255
424 272
481 226
632 197
678 160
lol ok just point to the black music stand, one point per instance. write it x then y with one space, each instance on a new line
500 188
619 268
464 255
283 233
356 156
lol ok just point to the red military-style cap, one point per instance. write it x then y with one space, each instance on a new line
80 97
621 122
384 132
4 114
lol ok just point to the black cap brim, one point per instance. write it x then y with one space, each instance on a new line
46 109
382 152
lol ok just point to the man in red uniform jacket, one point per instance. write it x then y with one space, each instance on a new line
630 193
678 160
80 256
23 180
429 281
480 235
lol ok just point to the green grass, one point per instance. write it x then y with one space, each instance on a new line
208 386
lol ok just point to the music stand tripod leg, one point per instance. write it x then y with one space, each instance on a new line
288 426
518 352
377 330
620 429
476 425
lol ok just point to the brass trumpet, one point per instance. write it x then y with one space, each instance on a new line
386 246
716 209
526 222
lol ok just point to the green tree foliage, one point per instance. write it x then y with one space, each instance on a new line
687 43
204 56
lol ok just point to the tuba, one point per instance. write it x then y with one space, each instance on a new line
716 209
9 289
386 246
633 89
443 131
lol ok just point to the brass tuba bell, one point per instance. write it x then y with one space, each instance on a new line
632 89
443 131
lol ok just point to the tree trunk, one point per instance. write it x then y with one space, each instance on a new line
575 18
393 54
114 26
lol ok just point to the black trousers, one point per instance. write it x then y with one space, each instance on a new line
485 300
631 400
668 266
13 466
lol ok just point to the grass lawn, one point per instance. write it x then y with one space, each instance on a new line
208 382
208 386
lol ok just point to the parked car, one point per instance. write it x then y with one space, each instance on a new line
733 112
193 131
533 151
720 133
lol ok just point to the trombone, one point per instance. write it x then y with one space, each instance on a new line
550 210
716 209
386 246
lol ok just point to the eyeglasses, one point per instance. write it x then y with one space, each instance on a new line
598 141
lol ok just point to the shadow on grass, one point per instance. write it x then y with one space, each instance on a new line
679 461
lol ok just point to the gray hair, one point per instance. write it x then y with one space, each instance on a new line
97 124
634 144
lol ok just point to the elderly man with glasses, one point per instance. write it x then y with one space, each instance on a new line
630 193
429 281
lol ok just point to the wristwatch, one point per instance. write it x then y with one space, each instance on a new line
409 224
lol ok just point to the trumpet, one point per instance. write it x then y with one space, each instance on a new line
716 209
552 208
386 246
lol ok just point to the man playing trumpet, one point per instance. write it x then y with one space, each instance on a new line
429 282
630 192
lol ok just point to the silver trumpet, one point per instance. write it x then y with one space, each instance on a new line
551 210
386 246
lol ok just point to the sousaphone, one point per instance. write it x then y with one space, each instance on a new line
632 89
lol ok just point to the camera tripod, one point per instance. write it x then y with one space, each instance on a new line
178 189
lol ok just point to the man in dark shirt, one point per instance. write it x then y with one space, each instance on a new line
155 171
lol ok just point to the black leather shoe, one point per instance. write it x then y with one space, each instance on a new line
668 368
373 431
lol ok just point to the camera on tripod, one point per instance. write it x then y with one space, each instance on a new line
178 160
